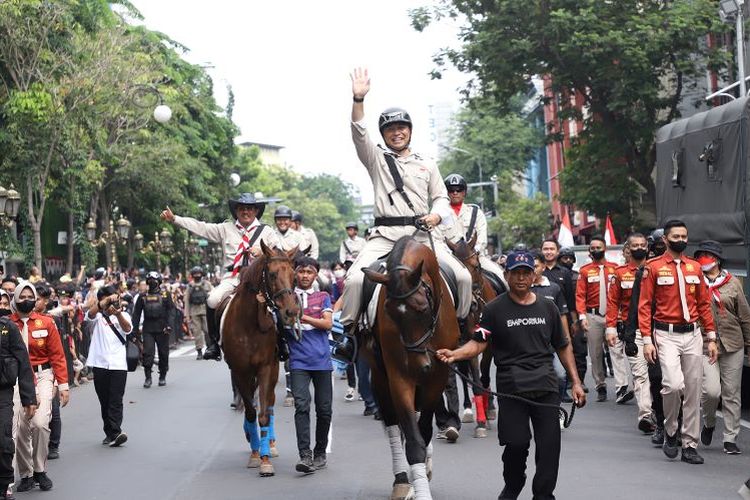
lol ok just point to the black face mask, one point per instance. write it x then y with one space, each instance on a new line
566 264
598 255
197 278
26 306
5 312
639 253
677 246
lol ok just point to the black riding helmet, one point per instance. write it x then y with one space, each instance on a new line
455 181
352 225
282 211
567 252
153 279
297 217
393 115
196 270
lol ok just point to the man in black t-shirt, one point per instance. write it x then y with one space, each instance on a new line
524 332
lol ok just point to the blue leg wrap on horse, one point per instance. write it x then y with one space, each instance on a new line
251 434
265 447
271 427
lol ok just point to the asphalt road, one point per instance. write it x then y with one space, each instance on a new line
186 443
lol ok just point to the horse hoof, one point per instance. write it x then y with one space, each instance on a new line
402 492
266 470
491 414
480 432
254 461
274 452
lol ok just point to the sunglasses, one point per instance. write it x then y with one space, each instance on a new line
455 190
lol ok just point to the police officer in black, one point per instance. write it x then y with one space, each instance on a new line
158 312
14 365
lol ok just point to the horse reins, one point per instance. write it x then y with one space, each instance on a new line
270 299
567 417
414 346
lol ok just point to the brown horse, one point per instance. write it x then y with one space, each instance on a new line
414 318
482 293
250 343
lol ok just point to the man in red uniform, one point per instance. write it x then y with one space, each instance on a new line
48 364
619 297
591 304
674 288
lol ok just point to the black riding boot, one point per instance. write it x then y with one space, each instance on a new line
346 350
213 351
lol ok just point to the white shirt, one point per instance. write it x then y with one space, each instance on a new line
106 351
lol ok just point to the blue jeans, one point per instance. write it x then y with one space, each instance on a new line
363 377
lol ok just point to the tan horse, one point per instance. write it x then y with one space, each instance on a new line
249 337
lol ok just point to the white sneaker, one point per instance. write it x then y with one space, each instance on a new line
349 395
468 416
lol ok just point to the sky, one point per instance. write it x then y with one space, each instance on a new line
288 63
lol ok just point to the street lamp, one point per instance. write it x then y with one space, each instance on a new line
10 203
118 233
162 113
162 243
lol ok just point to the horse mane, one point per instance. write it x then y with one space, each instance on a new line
395 259
250 275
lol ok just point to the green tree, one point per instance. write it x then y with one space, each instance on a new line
522 220
630 62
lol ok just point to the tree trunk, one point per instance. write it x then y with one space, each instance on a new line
70 244
37 235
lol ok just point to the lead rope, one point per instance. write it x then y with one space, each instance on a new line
567 417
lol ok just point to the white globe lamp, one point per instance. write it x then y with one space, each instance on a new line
162 113
234 178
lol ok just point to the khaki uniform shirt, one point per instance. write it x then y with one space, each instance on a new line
423 185
355 246
197 309
227 235
290 239
458 230
311 240
732 319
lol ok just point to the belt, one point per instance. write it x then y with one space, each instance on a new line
395 221
44 366
684 328
594 310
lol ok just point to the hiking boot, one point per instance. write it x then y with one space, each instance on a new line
118 440
670 446
657 438
147 383
305 464
690 456
731 448
44 482
53 454
26 484
451 434
602 394
707 435
646 426
162 380
319 462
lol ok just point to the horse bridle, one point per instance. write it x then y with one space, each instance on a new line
476 288
415 346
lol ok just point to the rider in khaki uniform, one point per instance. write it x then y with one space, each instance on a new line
352 245
422 199
308 235
288 238
196 295
240 240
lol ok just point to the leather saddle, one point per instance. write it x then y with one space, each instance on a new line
497 285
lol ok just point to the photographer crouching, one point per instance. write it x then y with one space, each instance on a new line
107 357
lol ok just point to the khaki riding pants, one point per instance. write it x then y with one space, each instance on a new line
224 288
681 359
377 247
32 435
723 380
199 329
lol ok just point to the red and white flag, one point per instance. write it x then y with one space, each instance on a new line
609 233
565 233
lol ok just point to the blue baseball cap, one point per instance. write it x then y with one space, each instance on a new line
519 259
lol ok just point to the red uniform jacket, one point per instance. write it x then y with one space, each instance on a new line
618 295
660 288
45 345
587 288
